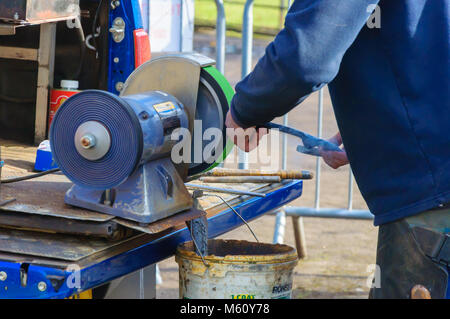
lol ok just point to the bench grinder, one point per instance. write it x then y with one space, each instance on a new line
117 149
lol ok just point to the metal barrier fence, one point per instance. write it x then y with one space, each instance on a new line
297 213
221 30
261 27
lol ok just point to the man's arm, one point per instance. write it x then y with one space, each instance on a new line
304 57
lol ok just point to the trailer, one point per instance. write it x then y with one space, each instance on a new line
81 251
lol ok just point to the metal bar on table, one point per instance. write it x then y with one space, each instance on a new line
241 179
224 190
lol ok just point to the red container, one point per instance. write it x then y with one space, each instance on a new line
58 97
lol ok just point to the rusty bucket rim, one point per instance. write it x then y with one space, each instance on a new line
186 251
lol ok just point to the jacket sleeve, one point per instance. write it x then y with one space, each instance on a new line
303 58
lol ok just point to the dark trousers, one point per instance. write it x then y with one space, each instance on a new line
402 258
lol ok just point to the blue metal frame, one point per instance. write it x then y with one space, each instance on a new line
147 254
130 12
448 283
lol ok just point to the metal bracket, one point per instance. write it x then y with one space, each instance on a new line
199 229
118 30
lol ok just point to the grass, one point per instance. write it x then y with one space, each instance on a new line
266 20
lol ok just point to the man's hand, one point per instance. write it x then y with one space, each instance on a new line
335 159
246 139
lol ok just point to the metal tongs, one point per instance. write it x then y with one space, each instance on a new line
311 145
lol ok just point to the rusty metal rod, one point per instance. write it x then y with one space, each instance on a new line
224 190
241 179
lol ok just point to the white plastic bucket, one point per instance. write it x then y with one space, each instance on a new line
237 270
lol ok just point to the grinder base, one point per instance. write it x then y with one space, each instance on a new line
155 191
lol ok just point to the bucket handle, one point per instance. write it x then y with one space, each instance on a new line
237 214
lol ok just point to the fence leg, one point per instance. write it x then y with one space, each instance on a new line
280 226
247 38
221 29
159 280
299 234
247 51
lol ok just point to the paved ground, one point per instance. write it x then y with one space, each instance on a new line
339 251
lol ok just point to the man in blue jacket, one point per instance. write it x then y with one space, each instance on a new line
389 84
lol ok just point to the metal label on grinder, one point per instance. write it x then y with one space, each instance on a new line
164 107
169 115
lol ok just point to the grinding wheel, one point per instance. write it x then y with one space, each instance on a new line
109 117
214 97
